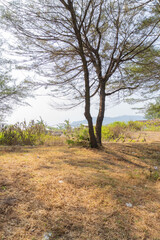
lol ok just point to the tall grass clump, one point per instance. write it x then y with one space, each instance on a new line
23 134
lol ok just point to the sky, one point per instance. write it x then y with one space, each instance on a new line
41 108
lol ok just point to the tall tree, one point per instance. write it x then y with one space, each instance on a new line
83 48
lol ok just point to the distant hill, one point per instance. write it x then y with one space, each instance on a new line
108 120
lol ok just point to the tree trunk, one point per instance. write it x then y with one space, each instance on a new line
93 141
100 114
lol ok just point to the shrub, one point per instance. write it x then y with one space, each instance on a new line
135 125
23 134
113 131
76 136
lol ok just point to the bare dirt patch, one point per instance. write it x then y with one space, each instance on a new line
77 193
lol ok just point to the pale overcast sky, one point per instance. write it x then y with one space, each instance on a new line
41 108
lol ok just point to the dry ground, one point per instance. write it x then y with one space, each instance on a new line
145 136
76 193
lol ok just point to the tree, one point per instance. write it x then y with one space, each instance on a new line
11 93
83 48
153 110
146 67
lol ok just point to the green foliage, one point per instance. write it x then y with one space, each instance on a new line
23 134
113 131
81 135
152 125
12 91
76 136
135 125
153 110
145 71
120 130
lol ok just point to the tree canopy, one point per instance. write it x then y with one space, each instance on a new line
85 49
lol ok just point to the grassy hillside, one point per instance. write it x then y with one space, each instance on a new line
66 193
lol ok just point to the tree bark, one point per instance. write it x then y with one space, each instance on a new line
93 141
101 113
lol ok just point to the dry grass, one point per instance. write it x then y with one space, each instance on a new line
77 193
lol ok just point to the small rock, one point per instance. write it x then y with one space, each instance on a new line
155 168
60 181
129 205
47 236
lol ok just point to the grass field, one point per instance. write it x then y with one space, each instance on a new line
66 193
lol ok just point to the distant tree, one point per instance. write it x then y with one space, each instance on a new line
84 48
12 91
153 110
11 94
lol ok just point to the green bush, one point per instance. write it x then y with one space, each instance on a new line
135 125
76 136
113 131
120 130
81 135
23 134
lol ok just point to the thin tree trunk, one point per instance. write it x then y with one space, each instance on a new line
93 141
100 114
